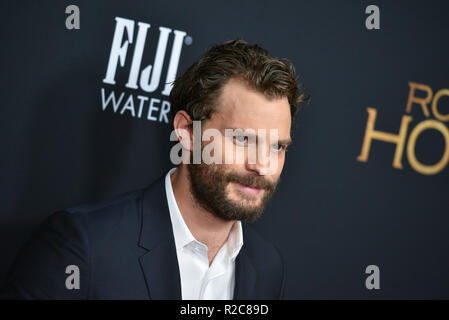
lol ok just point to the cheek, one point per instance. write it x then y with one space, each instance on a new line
281 161
230 191
213 150
232 154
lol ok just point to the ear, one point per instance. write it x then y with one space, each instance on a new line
182 124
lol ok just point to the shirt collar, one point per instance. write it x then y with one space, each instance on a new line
182 234
235 240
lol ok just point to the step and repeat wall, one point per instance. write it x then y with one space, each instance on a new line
363 207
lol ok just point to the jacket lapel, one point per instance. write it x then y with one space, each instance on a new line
245 277
160 262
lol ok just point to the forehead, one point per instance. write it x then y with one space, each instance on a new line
240 106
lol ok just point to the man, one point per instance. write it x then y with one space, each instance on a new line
182 237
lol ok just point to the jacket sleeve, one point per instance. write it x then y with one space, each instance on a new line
54 262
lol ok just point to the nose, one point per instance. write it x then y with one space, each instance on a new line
261 161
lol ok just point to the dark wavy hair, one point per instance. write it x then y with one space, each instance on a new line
197 89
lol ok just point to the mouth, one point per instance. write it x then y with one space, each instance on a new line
248 190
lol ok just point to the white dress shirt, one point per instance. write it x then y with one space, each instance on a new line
199 281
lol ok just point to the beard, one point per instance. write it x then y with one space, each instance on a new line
208 186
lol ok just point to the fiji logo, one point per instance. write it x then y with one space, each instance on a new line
146 78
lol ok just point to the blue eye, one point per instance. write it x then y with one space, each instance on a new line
241 139
278 147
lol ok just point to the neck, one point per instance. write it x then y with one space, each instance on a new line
204 225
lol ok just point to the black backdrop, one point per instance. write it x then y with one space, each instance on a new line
332 216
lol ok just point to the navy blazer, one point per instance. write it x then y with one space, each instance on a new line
124 248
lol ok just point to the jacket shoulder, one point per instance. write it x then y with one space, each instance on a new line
105 204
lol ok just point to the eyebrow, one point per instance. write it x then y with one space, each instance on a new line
285 142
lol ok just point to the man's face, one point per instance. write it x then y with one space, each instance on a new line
240 190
